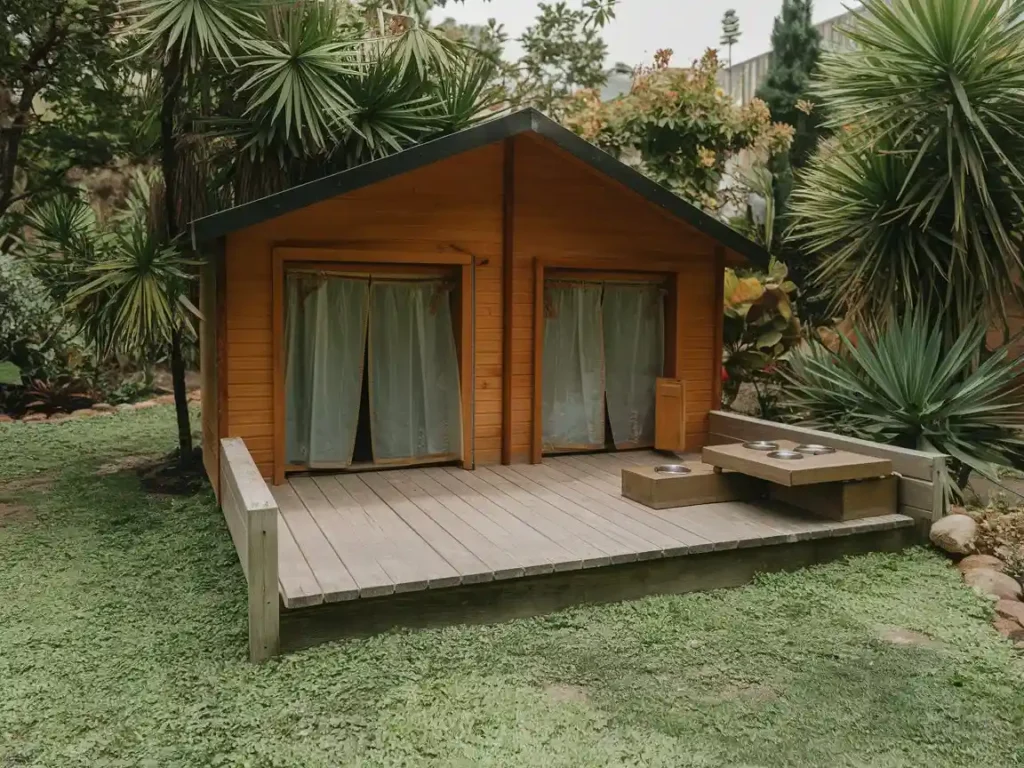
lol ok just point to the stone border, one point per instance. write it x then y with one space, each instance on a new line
97 409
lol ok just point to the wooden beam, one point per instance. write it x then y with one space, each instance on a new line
537 443
251 515
221 370
280 449
467 361
394 255
718 313
507 264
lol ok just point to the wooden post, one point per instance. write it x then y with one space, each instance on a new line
251 514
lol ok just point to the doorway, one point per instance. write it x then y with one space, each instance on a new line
604 349
371 368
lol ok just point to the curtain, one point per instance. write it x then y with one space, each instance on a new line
415 400
573 376
634 349
325 337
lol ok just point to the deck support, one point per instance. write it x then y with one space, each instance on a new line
251 515
520 598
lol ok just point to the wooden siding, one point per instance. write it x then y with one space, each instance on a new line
208 369
453 203
564 207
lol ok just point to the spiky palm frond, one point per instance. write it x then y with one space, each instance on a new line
424 51
904 385
393 109
190 29
468 93
299 68
937 85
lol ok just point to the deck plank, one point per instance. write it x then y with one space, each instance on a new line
542 555
470 568
715 523
633 548
562 529
334 581
503 564
346 540
616 551
406 557
641 521
646 542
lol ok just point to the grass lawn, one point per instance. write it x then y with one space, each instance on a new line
123 638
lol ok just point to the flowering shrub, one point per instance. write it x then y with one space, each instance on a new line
678 127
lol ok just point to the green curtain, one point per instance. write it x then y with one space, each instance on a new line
573 376
325 338
415 400
634 349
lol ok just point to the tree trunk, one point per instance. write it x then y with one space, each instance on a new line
170 73
181 401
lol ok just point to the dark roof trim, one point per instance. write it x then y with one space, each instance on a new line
523 121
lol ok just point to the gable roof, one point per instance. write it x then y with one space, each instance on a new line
488 132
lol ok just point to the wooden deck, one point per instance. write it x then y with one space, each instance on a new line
345 537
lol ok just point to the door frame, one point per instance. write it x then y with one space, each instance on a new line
672 271
356 259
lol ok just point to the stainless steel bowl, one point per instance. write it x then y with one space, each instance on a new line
814 449
785 455
762 445
672 469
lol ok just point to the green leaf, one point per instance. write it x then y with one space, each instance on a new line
10 374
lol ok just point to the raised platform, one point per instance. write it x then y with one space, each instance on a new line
373 537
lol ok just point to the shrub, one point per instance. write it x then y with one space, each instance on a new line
760 330
28 320
901 385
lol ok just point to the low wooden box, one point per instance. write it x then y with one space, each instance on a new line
702 486
853 500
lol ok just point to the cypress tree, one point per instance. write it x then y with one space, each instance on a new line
796 46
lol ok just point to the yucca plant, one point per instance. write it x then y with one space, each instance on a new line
901 384
924 191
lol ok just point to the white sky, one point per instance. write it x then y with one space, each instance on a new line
643 26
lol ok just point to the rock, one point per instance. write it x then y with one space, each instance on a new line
103 407
993 583
83 413
981 561
125 407
28 418
1006 627
1011 609
5 419
142 404
57 418
163 400
195 396
955 534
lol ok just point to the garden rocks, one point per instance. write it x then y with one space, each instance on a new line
1011 609
103 407
4 418
971 562
993 583
955 534
32 417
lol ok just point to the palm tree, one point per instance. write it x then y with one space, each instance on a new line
921 198
258 97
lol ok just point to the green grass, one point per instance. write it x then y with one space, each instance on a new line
123 634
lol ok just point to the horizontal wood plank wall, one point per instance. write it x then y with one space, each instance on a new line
565 208
453 203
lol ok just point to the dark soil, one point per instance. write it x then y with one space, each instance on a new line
167 475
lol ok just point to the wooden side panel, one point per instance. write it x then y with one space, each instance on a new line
670 415
563 208
452 204
208 369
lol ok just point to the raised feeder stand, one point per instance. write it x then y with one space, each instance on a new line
837 485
